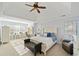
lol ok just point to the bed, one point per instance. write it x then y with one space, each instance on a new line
47 42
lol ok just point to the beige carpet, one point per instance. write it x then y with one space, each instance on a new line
8 50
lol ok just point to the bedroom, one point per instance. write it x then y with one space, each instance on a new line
54 20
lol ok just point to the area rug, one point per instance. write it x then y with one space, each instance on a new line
18 45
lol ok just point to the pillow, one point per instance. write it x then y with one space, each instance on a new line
52 35
49 34
38 35
45 34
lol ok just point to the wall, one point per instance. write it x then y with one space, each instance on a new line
1 7
75 15
0 30
16 25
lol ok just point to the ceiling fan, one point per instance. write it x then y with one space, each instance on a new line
36 7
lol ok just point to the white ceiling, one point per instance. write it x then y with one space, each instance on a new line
75 9
54 11
19 9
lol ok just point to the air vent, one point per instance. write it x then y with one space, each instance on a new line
63 15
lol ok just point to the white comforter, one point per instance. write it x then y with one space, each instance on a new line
47 42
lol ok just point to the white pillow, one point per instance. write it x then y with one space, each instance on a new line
38 35
45 34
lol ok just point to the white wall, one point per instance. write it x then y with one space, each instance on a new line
1 7
75 14
0 32
16 25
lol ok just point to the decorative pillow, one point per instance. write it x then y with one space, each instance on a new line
52 35
45 34
49 34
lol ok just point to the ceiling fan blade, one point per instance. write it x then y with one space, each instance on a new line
32 9
29 5
38 11
42 7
